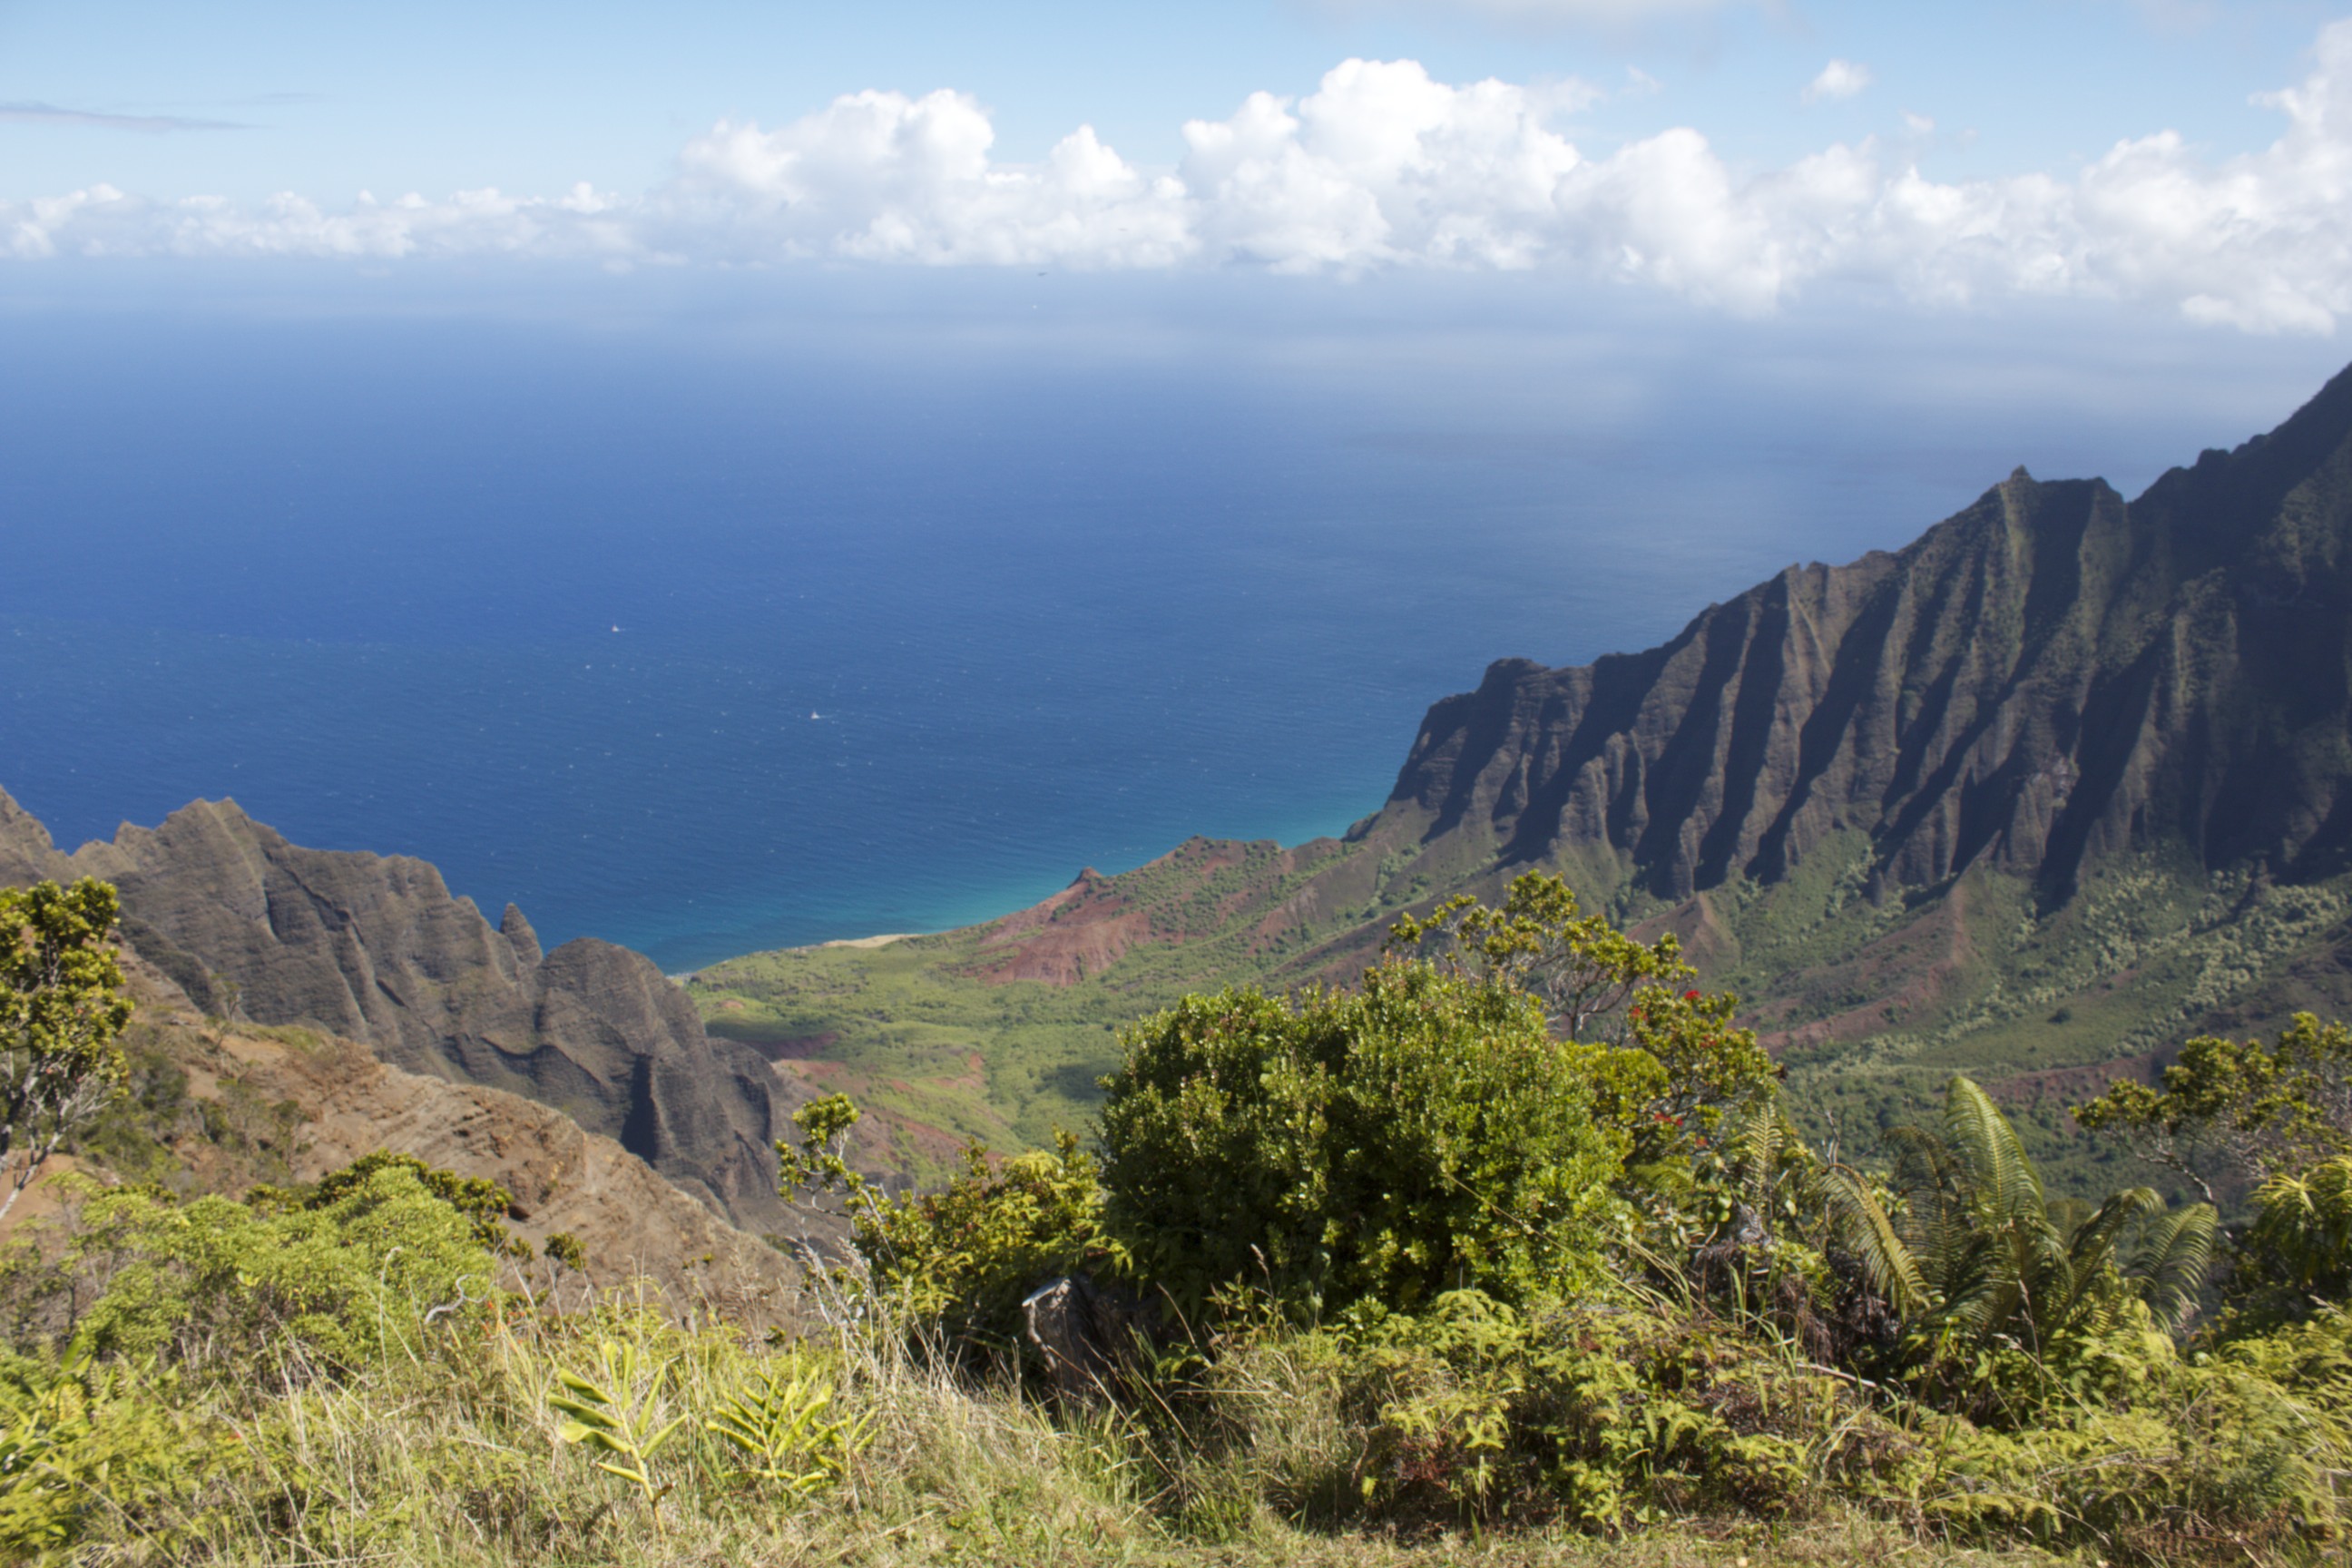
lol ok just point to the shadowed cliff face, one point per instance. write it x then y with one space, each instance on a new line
2048 677
375 949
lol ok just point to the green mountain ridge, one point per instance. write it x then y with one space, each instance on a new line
2051 789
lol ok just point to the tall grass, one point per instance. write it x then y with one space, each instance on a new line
451 1454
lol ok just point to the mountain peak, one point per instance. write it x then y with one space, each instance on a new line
2048 676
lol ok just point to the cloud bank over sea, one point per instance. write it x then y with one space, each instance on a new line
1381 167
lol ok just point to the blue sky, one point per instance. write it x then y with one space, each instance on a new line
2189 157
532 95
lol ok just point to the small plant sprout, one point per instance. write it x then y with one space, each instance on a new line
616 1417
776 1424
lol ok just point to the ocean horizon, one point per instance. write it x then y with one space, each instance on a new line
888 611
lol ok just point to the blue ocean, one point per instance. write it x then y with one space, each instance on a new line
758 612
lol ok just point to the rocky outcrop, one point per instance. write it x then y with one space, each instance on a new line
27 854
1088 1333
375 949
2049 677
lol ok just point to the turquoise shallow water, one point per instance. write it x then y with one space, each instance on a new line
706 635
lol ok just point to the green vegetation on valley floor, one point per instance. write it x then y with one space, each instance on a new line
1871 1005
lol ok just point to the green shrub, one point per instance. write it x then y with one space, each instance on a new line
964 1256
1612 1417
78 1439
2168 1462
1422 1134
1608 1415
956 1263
569 1250
219 1283
483 1201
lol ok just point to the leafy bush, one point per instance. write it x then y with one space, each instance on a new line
220 1283
1614 1416
78 1438
569 1250
1609 1416
483 1201
1422 1134
2163 1461
956 1263
964 1256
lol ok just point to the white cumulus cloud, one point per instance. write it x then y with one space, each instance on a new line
883 177
1839 78
1384 166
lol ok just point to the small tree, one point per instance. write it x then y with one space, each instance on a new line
2236 1113
61 1013
1585 971
1600 987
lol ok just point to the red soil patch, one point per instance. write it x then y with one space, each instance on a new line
1079 931
1089 925
1902 972
2075 1085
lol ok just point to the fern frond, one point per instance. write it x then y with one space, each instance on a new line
1864 1229
2095 1239
2170 1263
1999 1169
